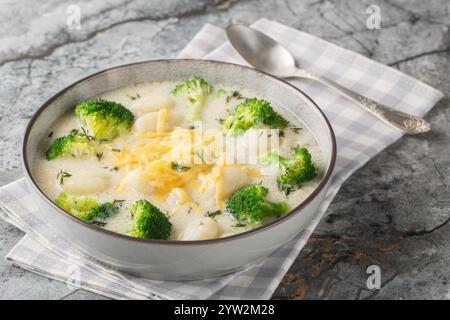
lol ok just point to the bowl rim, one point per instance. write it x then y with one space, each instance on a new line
325 179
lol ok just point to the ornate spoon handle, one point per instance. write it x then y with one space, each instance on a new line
404 122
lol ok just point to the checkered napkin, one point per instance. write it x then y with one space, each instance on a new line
360 136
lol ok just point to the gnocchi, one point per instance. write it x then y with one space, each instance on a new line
150 104
147 122
201 229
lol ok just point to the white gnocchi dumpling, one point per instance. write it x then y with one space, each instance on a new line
180 216
226 224
201 229
81 183
147 122
135 181
150 104
234 178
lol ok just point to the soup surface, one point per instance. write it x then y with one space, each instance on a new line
185 154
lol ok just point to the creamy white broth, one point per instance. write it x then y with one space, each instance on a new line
102 180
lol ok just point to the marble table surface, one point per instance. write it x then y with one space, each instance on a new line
393 212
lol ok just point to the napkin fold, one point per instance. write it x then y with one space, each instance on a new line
360 136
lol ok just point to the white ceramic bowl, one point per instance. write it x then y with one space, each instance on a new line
169 259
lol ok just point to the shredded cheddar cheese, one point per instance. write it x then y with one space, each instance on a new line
217 177
162 118
157 151
184 198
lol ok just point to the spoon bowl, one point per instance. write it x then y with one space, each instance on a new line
261 51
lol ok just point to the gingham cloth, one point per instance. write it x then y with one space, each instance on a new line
360 136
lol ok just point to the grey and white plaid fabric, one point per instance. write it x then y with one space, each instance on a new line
360 136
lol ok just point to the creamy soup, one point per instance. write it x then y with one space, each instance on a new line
179 155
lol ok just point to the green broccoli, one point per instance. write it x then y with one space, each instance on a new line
104 210
149 221
248 205
272 157
195 90
295 171
250 113
86 208
106 119
75 144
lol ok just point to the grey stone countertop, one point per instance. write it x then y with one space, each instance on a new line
393 212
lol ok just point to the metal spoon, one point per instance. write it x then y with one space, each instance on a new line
265 54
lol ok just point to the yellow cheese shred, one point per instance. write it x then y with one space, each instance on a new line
162 118
186 199
217 177
155 154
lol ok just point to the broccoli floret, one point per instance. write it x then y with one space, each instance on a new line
106 119
195 90
104 210
86 208
149 221
250 113
75 144
272 157
295 171
248 205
